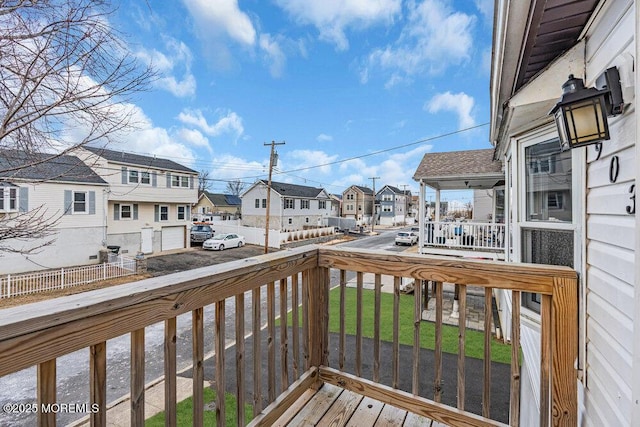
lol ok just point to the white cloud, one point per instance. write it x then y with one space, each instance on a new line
222 16
324 138
459 103
434 38
274 55
298 159
486 9
228 122
333 17
178 56
193 137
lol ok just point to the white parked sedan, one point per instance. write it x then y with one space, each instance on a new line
220 242
406 238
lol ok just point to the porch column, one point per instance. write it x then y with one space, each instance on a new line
437 205
422 199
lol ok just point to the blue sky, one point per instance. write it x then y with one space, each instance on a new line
335 80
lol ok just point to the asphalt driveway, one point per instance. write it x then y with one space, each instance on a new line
197 257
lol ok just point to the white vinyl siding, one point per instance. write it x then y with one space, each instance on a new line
610 242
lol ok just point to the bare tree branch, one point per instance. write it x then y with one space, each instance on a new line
66 80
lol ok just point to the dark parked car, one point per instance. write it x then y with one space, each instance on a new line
201 232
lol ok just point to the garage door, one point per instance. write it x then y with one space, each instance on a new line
172 238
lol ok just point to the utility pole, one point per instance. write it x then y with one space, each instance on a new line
273 160
373 221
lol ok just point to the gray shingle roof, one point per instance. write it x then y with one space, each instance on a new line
365 190
219 199
18 165
458 163
139 159
294 190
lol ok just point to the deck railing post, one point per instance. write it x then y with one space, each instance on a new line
564 352
318 303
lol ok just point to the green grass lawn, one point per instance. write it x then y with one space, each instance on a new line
184 412
474 342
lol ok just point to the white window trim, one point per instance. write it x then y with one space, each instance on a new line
577 225
122 218
184 207
73 203
160 207
6 195
148 176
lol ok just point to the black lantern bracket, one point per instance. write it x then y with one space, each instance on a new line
610 80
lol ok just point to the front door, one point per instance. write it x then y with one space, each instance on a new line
146 241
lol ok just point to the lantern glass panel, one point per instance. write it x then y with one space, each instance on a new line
585 122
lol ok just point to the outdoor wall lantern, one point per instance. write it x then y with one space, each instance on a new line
581 114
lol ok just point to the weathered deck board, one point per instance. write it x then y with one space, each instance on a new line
391 416
317 407
335 406
342 409
366 413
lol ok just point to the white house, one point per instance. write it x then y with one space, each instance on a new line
292 207
148 202
63 193
576 207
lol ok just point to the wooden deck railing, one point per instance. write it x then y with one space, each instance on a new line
297 356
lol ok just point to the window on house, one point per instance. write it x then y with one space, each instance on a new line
182 212
386 208
79 202
145 178
133 176
290 221
306 220
547 233
322 204
304 204
8 199
264 203
289 204
257 203
164 213
349 196
542 189
387 198
179 181
126 211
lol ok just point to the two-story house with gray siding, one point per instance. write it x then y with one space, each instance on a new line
292 207
149 199
57 194
392 204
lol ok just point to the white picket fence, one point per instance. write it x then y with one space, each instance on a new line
13 285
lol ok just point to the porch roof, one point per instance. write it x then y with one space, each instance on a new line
460 170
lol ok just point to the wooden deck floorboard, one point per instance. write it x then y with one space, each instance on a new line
334 406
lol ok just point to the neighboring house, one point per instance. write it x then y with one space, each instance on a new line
149 199
392 205
60 190
224 206
292 207
575 208
336 204
358 203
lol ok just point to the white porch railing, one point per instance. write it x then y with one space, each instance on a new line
13 285
464 235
